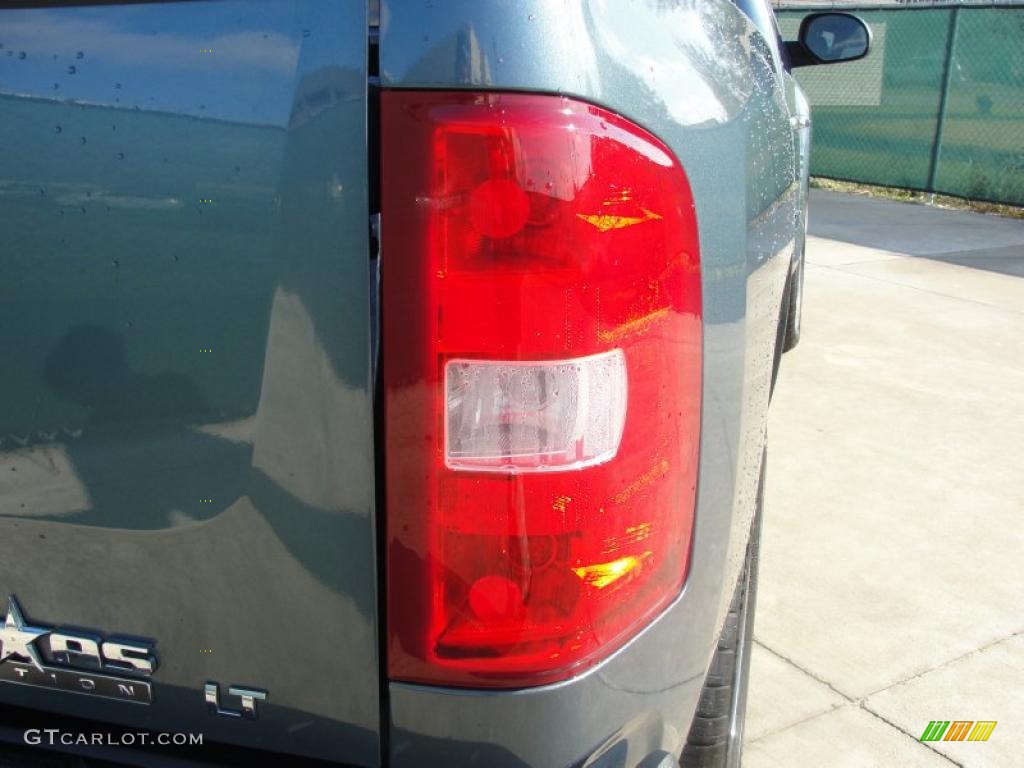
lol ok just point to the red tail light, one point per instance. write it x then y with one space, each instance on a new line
542 371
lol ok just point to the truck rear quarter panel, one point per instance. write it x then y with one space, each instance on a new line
698 76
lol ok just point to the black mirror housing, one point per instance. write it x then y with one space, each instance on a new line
829 38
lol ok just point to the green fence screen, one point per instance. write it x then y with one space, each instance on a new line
938 104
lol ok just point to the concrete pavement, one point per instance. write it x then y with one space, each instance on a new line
892 578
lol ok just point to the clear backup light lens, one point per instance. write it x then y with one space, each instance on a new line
534 416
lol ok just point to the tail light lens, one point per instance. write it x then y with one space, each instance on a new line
542 369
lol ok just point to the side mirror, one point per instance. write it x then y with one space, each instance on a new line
829 38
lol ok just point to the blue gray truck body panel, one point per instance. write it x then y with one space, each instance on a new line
185 406
698 76
186 413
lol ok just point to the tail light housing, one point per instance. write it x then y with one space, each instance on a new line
542 371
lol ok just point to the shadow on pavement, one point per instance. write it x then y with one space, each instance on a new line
978 240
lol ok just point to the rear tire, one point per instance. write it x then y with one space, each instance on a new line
794 312
716 734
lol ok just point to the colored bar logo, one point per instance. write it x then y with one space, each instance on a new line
958 730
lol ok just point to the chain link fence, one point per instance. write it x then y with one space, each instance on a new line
938 104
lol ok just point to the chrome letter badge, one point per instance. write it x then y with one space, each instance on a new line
79 662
